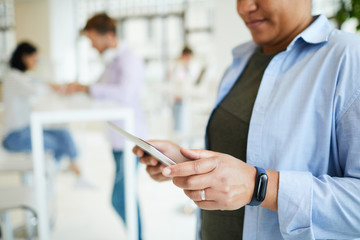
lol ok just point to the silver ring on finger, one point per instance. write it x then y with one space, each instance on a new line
202 194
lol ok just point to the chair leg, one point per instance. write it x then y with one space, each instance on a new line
27 179
30 224
7 229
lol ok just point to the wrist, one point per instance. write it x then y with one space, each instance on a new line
85 88
271 201
252 183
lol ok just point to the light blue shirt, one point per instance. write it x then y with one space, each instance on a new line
306 125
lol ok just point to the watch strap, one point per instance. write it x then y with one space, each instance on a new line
260 187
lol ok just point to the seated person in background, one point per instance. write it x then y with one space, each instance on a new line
19 89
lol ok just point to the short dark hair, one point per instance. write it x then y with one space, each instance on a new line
187 51
101 23
16 60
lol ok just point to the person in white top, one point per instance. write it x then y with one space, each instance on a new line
19 89
180 82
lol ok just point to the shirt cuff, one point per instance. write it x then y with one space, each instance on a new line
295 204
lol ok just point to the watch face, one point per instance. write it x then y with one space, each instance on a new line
261 190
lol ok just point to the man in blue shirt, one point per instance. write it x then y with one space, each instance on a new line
304 130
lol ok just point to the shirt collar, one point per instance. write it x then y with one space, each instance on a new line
242 50
318 32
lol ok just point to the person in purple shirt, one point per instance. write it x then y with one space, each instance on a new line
121 81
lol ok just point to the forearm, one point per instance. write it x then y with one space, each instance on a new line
116 92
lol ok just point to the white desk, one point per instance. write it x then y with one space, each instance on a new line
76 109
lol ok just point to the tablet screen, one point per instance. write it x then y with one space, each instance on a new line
147 147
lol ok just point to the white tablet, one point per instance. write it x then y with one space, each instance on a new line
147 147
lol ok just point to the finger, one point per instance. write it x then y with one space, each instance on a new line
138 151
212 194
156 173
207 205
149 160
194 182
196 195
160 178
196 154
155 170
191 168
161 145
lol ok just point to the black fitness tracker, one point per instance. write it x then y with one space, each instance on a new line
260 187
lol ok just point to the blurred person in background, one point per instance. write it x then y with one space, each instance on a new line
20 89
121 82
282 158
180 80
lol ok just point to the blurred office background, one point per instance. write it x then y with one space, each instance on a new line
157 30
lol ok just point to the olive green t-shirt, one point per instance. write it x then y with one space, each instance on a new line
227 132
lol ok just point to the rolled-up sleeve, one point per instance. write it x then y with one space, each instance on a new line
295 204
326 207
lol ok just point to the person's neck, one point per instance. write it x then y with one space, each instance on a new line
284 43
114 44
110 46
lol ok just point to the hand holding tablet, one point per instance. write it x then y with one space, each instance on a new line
147 147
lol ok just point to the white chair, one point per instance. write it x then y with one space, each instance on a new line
20 163
21 197
16 197
15 162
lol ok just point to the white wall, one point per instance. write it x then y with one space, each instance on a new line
63 36
229 32
32 23
51 25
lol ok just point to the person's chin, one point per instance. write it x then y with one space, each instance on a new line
259 39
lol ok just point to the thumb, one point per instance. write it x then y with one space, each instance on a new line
195 154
